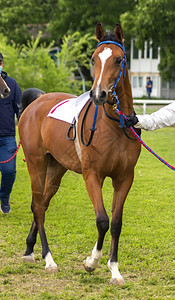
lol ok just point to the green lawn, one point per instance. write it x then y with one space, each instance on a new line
147 243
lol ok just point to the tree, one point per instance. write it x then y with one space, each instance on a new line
20 19
32 66
154 19
83 16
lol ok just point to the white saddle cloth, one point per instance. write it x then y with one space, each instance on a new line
69 109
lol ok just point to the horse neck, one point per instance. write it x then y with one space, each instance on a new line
124 94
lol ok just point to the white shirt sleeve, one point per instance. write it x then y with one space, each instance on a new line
164 117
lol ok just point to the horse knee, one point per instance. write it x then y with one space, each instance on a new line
102 224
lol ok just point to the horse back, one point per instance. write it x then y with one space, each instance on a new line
40 134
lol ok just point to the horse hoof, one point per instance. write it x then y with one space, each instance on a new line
29 258
87 268
51 269
117 281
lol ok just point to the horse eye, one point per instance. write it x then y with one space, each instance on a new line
118 60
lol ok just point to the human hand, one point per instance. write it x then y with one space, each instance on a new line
131 121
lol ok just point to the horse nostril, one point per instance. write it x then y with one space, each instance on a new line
103 94
6 91
91 93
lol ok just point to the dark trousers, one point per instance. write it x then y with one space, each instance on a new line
8 170
149 94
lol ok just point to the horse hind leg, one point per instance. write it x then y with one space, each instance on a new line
31 241
54 174
46 176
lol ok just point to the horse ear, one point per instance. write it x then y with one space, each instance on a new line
99 32
119 34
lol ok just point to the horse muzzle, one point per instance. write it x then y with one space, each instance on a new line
98 97
5 93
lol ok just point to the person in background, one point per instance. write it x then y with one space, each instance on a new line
9 107
163 117
149 86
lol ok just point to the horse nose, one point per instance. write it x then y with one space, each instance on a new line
99 98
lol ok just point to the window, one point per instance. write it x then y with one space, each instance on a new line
140 81
155 51
134 82
143 51
172 84
164 84
154 80
135 51
148 49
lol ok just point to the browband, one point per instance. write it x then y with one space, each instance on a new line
112 42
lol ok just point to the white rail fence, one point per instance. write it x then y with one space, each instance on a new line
151 102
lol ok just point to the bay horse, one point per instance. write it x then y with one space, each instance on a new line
49 153
4 89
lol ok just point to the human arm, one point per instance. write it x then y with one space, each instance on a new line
164 117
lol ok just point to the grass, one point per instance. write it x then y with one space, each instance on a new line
147 244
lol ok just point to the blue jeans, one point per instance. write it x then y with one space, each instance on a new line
8 170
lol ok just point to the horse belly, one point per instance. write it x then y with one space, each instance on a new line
54 134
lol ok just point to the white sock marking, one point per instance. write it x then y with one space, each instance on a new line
49 261
92 261
113 267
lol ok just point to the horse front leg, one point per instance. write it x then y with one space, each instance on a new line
121 190
94 186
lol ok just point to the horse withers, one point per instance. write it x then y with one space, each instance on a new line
112 152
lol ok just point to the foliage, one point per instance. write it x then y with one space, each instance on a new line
22 18
84 15
146 248
154 19
57 17
32 66
144 19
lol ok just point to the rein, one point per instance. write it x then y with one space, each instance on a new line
144 145
93 129
118 111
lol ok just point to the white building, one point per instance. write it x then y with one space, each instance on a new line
143 64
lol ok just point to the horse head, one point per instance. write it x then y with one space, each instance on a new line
108 60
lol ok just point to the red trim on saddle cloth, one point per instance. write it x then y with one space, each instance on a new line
63 102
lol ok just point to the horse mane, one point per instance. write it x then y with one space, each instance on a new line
28 96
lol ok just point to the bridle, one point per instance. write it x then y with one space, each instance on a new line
123 66
115 99
115 102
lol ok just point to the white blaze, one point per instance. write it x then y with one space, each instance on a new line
104 55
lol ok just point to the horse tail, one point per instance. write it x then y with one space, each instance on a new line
27 97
